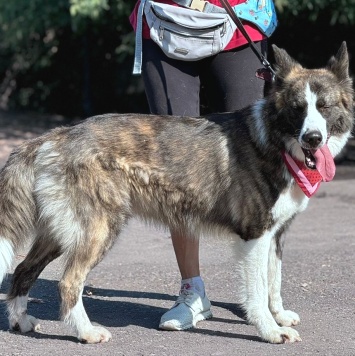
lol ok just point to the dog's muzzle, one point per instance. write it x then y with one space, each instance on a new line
311 141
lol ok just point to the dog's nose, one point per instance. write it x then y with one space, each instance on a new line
312 138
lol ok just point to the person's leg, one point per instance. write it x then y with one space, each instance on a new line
187 253
192 304
173 88
230 79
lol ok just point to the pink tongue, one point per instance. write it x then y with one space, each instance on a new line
325 163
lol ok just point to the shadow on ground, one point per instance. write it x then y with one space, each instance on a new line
103 308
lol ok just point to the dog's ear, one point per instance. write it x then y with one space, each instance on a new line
284 62
339 64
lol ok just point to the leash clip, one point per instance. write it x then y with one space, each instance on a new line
265 74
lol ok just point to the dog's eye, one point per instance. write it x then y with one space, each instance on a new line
296 105
322 105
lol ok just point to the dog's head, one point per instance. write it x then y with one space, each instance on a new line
313 106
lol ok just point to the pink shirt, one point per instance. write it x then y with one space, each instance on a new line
237 40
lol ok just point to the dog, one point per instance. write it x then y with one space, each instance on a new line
71 191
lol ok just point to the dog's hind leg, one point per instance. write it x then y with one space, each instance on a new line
24 277
252 273
283 317
81 259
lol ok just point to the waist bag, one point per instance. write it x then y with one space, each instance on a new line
186 34
199 29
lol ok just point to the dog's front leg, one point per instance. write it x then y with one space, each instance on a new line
252 273
283 317
71 287
86 332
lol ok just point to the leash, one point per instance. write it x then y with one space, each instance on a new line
261 73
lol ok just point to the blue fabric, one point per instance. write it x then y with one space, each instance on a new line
261 13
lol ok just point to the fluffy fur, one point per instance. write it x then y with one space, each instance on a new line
73 189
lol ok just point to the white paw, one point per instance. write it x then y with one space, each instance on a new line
287 318
25 324
94 335
281 335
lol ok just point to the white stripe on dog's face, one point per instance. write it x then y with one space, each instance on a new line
314 121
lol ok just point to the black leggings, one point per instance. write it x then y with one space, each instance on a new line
228 81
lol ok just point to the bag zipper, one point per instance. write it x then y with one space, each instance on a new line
192 28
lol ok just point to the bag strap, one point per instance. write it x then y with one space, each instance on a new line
137 65
241 28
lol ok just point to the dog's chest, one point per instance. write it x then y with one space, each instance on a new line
290 202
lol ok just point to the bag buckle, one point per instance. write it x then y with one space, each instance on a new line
198 5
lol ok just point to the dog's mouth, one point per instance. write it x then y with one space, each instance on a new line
309 161
320 160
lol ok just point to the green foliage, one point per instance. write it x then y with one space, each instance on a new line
83 10
28 42
52 51
338 11
89 8
22 20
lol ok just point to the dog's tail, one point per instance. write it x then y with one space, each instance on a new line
17 205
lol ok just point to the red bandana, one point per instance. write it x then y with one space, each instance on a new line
309 179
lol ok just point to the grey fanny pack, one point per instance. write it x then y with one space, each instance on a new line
186 34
